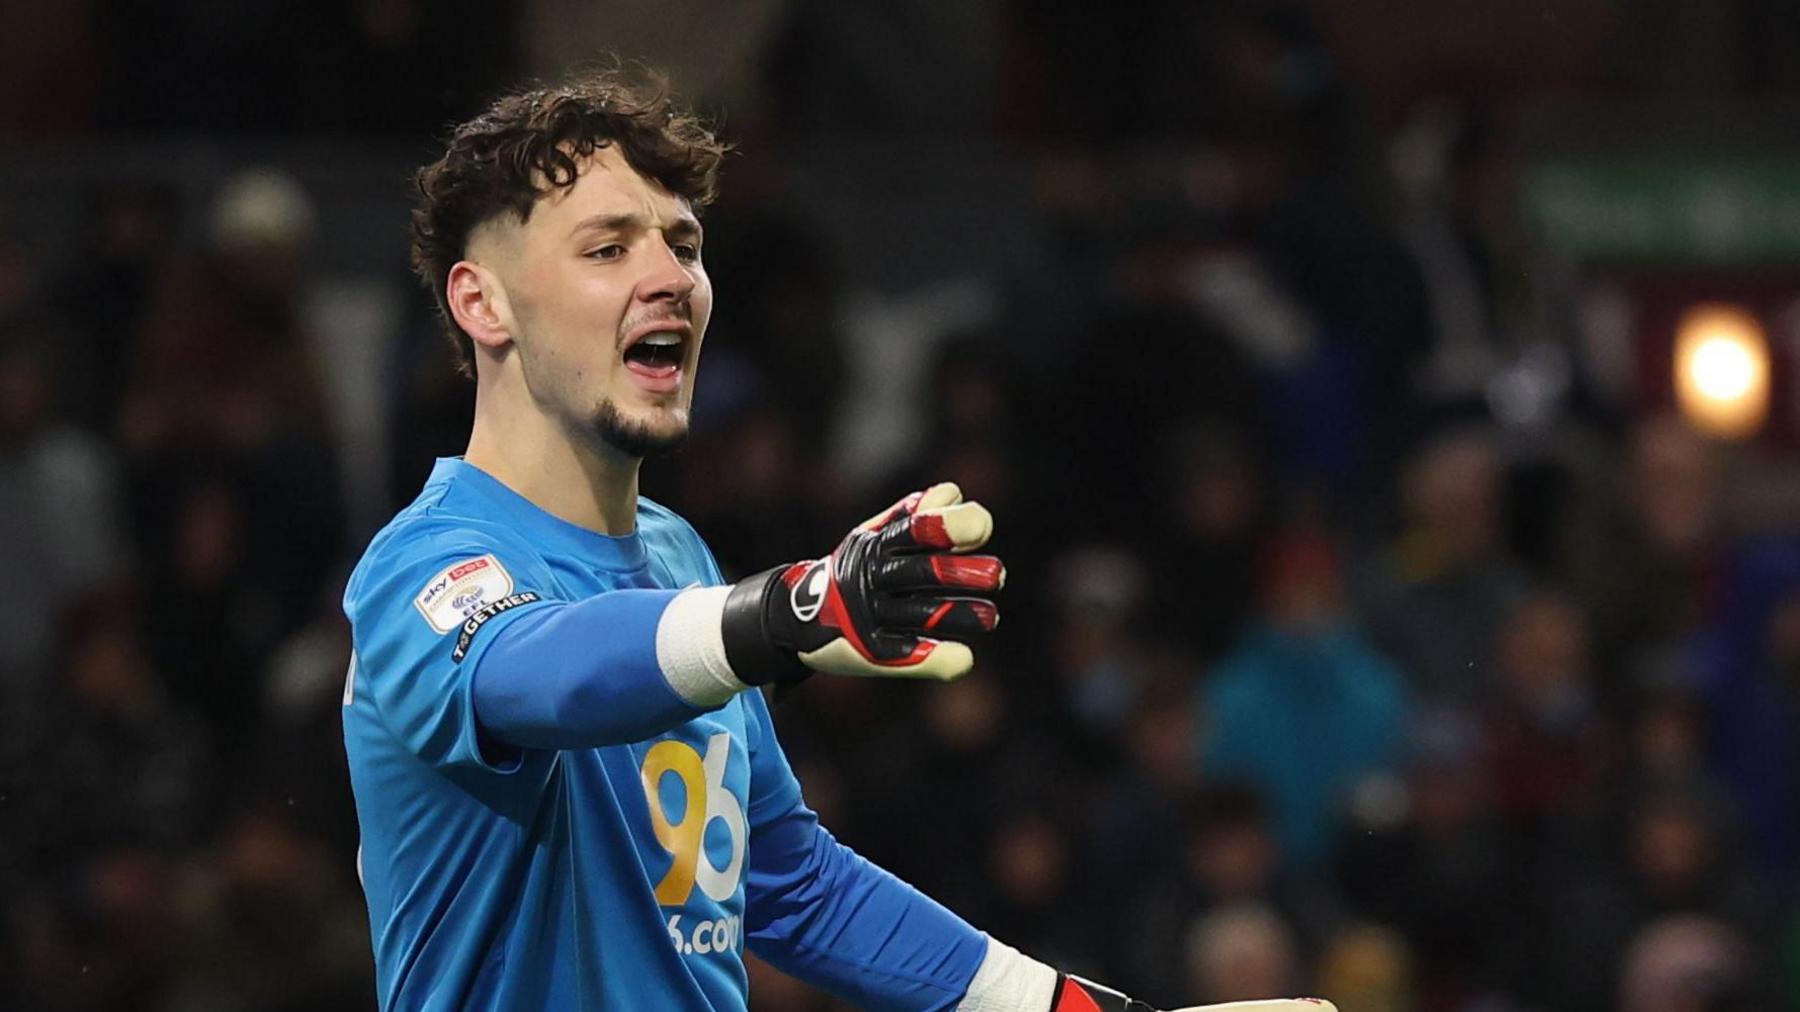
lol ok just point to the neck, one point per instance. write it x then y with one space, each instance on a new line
580 480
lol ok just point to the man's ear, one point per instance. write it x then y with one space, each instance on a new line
478 302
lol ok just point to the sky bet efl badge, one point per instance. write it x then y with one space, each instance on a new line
455 593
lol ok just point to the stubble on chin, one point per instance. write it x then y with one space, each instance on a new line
635 438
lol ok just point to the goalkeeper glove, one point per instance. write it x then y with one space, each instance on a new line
876 606
1074 994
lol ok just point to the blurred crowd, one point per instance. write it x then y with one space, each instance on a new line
1356 641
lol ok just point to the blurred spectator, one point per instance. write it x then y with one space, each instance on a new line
303 699
1229 857
893 354
106 291
1747 668
779 314
757 492
924 764
116 791
273 924
1139 370
980 435
973 435
1302 706
1152 793
1445 165
1098 653
1675 859
214 615
1547 741
1239 953
120 766
1037 899
1663 747
429 406
1688 964
1367 968
59 493
97 934
1206 551
1435 830
1435 598
1641 555
221 361
1496 332
1668 729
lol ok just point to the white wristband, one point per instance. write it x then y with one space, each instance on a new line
690 648
1009 981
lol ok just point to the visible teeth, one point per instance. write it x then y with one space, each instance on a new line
662 338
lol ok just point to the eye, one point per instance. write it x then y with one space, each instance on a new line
686 252
611 251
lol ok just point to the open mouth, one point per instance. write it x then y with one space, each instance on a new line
657 354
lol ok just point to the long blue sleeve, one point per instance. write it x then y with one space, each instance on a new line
821 912
578 675
473 651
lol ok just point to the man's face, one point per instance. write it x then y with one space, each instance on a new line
609 305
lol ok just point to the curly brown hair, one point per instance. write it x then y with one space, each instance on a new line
531 142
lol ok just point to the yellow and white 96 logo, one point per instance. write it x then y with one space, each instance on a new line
704 799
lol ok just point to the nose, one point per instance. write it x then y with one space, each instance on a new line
668 279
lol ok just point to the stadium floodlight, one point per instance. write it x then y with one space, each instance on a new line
1722 370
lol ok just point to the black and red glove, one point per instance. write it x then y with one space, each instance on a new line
1074 994
892 601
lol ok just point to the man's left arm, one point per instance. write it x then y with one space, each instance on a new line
817 910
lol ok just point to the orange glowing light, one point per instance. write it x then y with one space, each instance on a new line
1722 371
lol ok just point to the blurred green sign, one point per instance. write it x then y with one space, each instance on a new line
1668 209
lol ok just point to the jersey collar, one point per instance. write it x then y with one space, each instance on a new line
546 530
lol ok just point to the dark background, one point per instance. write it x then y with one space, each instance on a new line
1375 627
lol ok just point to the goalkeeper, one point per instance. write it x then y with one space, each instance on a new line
569 796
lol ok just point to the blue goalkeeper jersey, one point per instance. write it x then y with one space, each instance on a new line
629 871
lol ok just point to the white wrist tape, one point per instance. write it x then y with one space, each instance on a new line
1009 981
690 648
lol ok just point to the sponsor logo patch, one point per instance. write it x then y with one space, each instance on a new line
460 590
481 616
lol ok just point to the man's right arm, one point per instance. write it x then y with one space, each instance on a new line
468 665
626 665
470 652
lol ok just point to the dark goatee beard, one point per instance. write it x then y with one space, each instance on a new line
634 439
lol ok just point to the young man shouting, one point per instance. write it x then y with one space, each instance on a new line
571 797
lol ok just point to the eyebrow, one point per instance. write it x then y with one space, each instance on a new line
684 226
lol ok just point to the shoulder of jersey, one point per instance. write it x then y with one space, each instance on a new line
652 512
657 520
426 526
